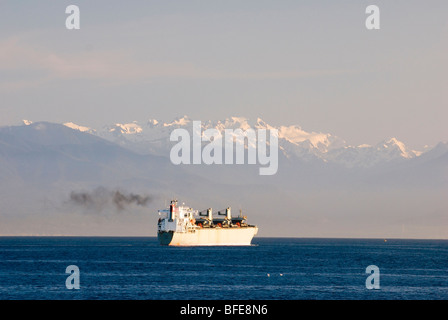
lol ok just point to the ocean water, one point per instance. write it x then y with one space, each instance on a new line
270 269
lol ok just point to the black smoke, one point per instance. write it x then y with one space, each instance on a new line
122 200
102 199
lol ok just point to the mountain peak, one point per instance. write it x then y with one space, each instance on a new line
74 126
393 145
152 123
127 128
182 121
241 121
393 141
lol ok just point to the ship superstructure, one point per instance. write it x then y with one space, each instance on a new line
183 226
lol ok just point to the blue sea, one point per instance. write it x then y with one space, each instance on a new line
120 268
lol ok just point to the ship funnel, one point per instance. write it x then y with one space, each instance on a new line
228 213
210 214
172 209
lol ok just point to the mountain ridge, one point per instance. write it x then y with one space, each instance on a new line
152 137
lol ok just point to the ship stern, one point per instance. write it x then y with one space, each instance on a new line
165 237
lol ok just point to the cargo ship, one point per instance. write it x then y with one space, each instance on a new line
183 226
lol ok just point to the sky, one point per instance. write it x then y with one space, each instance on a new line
309 63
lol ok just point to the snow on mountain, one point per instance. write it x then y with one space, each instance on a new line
179 122
152 137
128 128
233 123
296 135
308 144
366 155
124 128
393 146
74 126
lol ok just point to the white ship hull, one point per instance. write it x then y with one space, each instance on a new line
209 237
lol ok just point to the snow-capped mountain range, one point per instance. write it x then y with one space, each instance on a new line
152 137
322 187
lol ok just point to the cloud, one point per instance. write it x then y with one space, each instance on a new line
23 65
36 65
